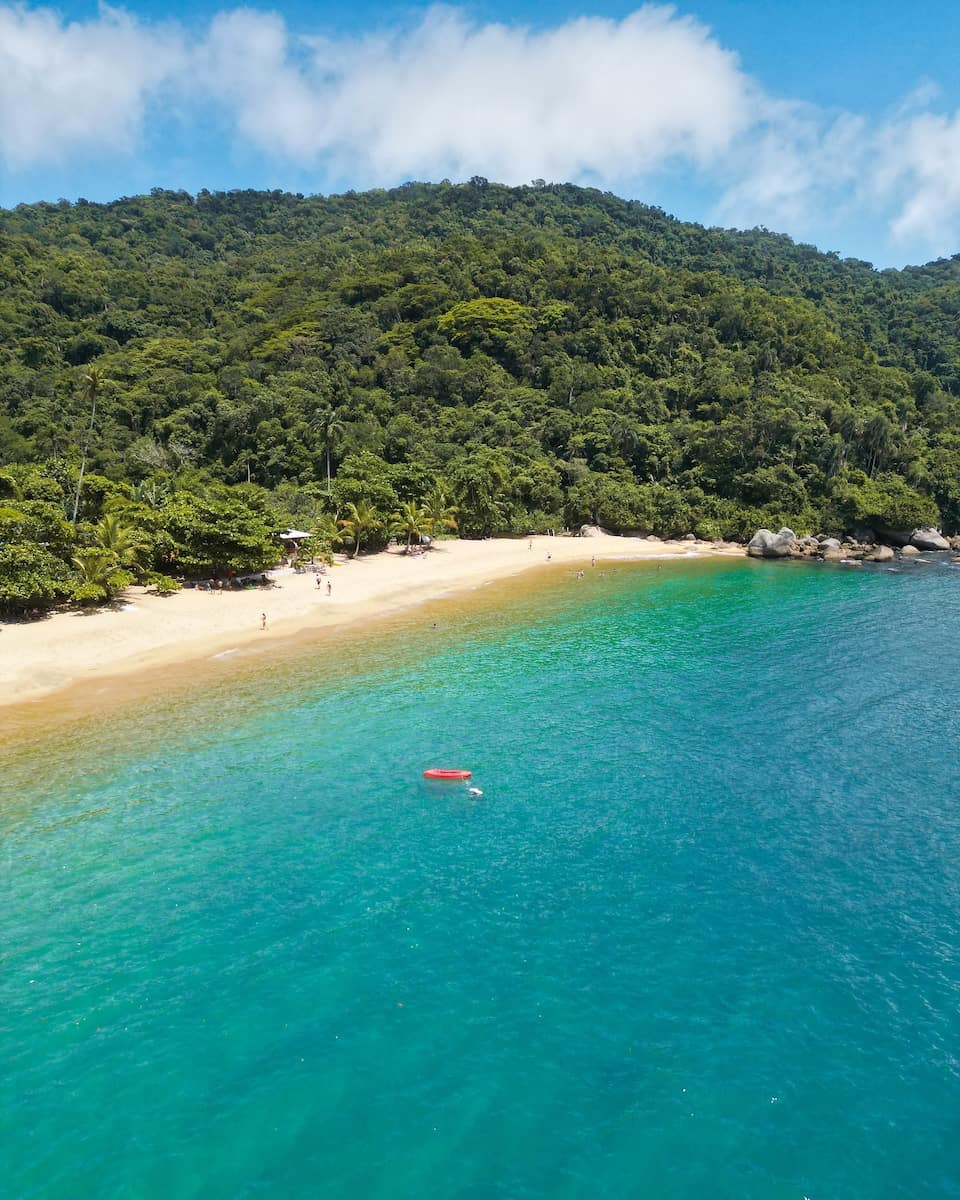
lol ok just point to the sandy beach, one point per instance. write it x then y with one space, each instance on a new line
143 631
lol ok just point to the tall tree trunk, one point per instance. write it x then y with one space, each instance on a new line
83 458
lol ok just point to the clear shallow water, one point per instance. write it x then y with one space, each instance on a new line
700 937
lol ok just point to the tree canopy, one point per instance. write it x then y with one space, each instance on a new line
537 356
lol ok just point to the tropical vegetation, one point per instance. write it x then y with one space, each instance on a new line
183 376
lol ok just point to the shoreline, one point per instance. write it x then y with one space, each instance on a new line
142 632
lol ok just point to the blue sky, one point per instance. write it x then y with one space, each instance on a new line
836 123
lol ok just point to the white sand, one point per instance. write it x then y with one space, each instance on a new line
144 630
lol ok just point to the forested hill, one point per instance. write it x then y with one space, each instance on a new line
545 355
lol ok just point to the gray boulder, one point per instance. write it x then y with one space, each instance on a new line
590 530
909 552
880 554
829 543
766 544
929 539
689 537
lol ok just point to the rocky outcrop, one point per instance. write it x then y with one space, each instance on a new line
863 535
925 538
929 539
896 537
689 537
766 544
590 531
868 548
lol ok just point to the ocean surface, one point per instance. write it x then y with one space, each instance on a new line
699 937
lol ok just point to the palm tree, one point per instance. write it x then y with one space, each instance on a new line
360 520
440 513
118 539
877 441
325 531
834 456
94 565
91 384
100 576
411 520
327 421
623 438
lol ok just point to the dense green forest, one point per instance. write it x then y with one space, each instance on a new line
180 377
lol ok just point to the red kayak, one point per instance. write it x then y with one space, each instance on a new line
440 773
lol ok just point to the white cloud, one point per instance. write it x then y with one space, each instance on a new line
443 96
795 164
69 90
448 97
807 171
604 101
918 162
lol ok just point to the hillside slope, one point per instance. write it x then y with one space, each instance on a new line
546 354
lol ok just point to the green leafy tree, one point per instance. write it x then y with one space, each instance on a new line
440 512
481 484
31 576
204 535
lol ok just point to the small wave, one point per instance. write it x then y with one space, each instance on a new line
226 653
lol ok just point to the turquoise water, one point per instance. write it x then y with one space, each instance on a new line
700 936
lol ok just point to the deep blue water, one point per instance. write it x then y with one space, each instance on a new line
700 937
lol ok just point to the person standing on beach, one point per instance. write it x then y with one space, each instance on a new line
263 620
329 588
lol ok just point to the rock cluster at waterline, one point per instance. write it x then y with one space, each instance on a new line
867 547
